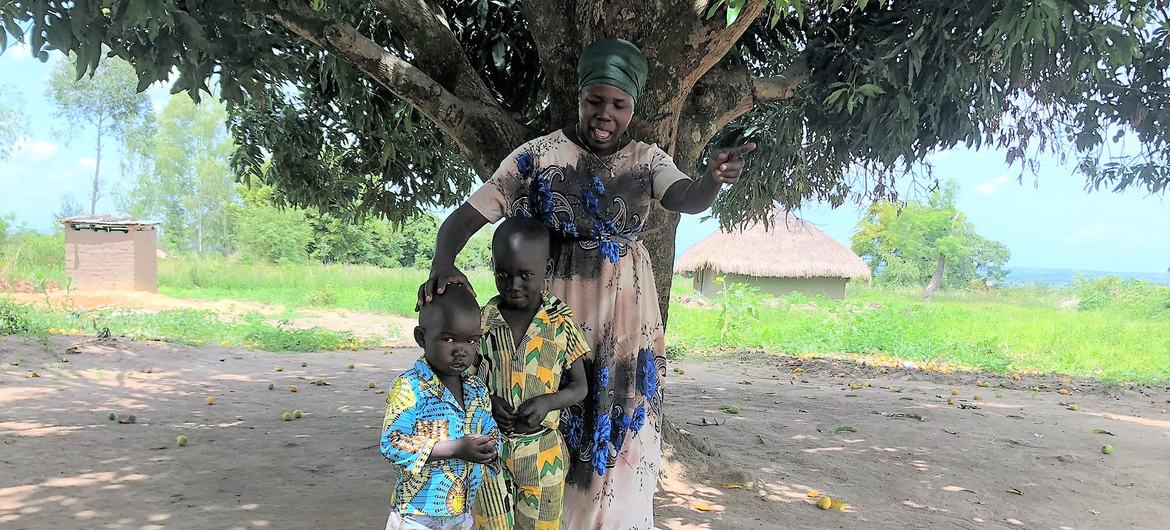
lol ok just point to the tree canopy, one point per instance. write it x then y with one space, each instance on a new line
392 106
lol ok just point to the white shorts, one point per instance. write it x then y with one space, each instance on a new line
398 521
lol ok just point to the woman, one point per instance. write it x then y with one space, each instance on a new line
592 186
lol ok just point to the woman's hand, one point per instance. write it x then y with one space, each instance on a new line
437 283
725 165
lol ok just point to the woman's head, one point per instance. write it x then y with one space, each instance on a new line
610 77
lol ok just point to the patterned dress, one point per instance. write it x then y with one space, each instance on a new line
529 493
596 208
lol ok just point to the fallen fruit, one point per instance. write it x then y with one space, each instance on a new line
287 416
1074 407
350 366
954 392
271 386
824 503
293 388
370 384
704 507
1107 449
1016 377
319 382
679 370
814 494
297 413
978 397
181 440
304 364
113 416
1063 391
951 401
210 400
279 368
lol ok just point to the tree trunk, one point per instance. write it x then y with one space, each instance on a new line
936 280
95 194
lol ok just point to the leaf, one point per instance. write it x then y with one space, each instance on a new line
1103 431
845 428
705 507
733 9
730 409
733 486
715 8
870 90
1015 491
498 54
861 4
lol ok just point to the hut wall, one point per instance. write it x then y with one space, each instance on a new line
833 288
111 260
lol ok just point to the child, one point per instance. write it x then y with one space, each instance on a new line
438 430
530 342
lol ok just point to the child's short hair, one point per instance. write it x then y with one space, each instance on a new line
456 297
528 230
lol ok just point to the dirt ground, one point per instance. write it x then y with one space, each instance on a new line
1016 458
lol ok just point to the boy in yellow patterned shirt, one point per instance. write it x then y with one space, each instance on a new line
531 359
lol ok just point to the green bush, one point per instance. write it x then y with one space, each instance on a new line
15 319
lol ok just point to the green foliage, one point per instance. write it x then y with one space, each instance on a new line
108 100
1000 331
15 319
263 232
182 167
738 308
890 83
1136 298
31 258
901 243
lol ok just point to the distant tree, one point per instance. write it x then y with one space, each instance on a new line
69 207
105 97
929 244
182 175
12 121
264 232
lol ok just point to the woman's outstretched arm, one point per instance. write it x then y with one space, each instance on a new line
695 196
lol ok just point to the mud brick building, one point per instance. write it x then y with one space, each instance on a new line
103 252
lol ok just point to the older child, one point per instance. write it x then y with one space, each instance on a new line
530 343
438 430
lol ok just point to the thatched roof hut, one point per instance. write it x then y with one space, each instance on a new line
790 256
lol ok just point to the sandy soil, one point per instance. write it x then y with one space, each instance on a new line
912 462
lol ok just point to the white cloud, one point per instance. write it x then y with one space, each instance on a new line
18 52
991 187
87 162
34 149
1098 232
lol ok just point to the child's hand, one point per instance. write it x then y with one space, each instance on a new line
531 413
476 448
504 415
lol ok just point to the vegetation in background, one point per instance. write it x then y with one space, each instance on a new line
927 244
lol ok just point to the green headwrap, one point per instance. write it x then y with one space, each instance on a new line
614 62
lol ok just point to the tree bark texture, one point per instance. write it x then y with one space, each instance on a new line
936 279
693 90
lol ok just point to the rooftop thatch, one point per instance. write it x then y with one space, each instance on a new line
792 248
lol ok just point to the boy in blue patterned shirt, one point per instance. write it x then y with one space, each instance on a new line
438 429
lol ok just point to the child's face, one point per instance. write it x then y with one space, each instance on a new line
520 271
451 342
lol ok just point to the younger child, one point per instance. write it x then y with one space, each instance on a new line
438 430
530 342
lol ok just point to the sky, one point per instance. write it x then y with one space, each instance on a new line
1048 220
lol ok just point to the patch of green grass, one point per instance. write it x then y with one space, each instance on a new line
1001 331
184 326
357 287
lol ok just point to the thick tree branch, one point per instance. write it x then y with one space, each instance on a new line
483 131
727 92
554 28
436 49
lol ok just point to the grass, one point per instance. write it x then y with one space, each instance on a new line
1107 328
356 287
1126 339
192 327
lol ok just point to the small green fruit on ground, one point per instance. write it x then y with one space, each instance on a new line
293 388
279 368
304 364
824 502
113 416
371 385
1107 449
297 413
210 400
287 416
181 440
271 386
350 366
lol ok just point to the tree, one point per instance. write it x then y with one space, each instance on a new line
929 244
183 175
263 232
392 106
12 121
69 207
109 100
